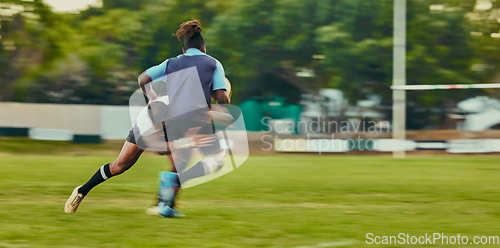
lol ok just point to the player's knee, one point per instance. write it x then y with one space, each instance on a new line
118 167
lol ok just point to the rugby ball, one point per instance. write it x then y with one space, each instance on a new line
229 93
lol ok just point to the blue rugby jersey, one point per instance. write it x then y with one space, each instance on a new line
209 70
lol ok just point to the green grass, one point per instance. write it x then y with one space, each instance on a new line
270 201
23 146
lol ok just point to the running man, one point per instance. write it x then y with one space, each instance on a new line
184 119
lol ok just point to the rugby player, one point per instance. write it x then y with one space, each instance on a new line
191 123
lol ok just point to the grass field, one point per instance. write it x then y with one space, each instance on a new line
270 201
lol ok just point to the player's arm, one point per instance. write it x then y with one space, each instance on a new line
144 82
219 85
149 76
221 97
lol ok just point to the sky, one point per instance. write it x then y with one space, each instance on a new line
70 5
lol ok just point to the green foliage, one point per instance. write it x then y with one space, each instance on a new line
96 56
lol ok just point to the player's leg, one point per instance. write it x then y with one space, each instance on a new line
212 162
169 181
172 163
168 189
214 155
213 159
166 194
128 156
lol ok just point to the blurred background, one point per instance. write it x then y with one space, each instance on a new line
283 49
287 59
311 77
283 52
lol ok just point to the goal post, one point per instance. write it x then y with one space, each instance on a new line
446 86
399 75
404 88
399 86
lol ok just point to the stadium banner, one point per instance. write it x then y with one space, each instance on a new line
391 145
50 134
385 145
432 145
473 146
493 145
86 139
14 132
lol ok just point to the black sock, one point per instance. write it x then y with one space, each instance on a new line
100 176
197 170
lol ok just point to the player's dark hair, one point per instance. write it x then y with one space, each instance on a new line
190 33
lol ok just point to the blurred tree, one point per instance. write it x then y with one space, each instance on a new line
95 56
355 39
357 44
484 19
125 4
161 19
259 41
11 55
25 42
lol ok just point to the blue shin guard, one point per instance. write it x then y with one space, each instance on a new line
169 185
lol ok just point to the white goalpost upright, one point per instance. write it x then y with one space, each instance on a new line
399 75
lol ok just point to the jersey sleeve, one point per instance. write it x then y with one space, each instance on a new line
157 71
218 78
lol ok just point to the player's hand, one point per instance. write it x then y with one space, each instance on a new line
199 140
204 140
